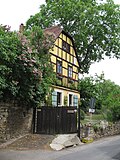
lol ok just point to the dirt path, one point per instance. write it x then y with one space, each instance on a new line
30 141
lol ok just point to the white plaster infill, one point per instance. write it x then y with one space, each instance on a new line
65 140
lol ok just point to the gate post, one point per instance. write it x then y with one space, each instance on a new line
33 121
79 121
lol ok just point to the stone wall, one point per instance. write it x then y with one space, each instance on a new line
110 130
14 121
100 131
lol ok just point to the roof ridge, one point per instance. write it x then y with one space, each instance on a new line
52 27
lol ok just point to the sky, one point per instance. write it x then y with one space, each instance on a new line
15 12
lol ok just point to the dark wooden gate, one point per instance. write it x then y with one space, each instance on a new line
55 120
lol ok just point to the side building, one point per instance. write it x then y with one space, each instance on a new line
65 63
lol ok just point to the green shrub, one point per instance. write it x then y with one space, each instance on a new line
82 114
25 72
95 128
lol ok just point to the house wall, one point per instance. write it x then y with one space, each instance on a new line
14 121
67 57
65 95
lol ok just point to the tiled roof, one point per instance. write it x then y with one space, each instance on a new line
55 31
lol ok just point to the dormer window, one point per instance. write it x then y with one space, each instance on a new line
65 46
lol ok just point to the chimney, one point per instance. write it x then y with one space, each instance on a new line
21 28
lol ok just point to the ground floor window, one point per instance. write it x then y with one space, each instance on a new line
56 98
75 100
70 99
59 98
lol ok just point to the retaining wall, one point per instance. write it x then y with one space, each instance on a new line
14 121
100 131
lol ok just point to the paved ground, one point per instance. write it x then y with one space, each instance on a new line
105 149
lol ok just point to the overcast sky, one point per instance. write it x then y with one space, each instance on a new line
15 12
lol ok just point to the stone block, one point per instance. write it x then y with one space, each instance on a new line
65 140
57 147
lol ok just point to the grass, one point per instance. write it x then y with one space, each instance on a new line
95 118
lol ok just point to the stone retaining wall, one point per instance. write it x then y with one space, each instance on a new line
110 130
100 131
14 121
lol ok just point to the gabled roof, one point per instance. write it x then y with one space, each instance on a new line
55 31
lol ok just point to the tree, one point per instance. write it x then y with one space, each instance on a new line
90 88
87 90
110 100
93 24
26 74
106 94
9 44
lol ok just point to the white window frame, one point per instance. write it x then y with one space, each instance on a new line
62 96
70 93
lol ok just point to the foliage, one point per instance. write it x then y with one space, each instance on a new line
82 114
106 94
93 24
9 50
110 97
87 90
97 117
96 128
26 74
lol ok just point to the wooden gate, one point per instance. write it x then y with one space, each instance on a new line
55 120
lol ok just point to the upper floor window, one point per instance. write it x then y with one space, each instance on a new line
59 67
65 46
69 71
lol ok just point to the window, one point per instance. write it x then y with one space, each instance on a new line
59 98
75 100
59 67
70 100
65 46
56 98
69 71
